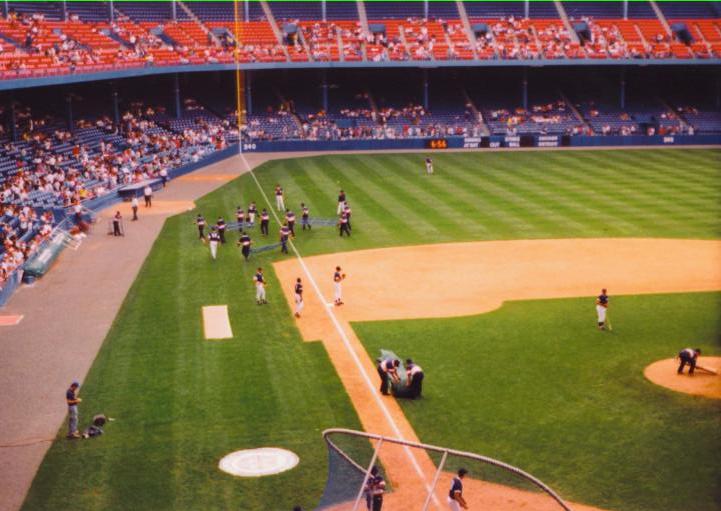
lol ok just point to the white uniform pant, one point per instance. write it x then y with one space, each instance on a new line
259 292
299 304
429 168
341 206
601 312
279 203
453 504
213 249
251 218
338 291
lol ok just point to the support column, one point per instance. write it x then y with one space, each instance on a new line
622 90
69 105
527 9
174 10
116 107
524 90
246 10
249 92
324 90
625 9
323 10
425 9
111 6
65 10
6 7
425 89
176 92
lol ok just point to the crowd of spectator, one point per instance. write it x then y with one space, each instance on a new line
22 230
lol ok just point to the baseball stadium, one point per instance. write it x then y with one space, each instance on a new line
359 255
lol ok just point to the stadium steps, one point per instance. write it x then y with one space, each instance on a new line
485 130
198 21
575 111
661 17
467 27
566 22
274 25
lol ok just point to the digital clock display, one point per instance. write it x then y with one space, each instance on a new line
437 143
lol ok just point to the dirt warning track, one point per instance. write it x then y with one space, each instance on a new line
459 279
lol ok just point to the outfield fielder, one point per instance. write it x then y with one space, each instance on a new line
338 277
601 307
429 166
279 203
213 240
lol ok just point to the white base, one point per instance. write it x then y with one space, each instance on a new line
258 462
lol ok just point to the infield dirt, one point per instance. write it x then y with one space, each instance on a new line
459 279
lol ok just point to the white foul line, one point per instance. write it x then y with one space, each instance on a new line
343 336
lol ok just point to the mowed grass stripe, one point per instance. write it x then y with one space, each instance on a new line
383 192
437 205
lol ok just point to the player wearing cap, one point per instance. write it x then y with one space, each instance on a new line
374 490
252 211
429 166
284 235
72 399
343 224
341 202
279 202
264 222
240 218
245 243
290 218
200 222
305 217
298 297
338 277
348 212
221 229
455 495
260 283
601 307
213 240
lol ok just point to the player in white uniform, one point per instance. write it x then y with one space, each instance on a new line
213 240
279 203
601 306
338 290
259 287
455 495
429 166
299 304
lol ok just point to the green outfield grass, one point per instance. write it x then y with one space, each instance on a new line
182 402
535 384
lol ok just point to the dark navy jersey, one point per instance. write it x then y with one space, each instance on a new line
298 288
265 216
259 278
347 212
306 212
278 191
214 236
290 216
245 240
456 487
252 209
603 299
240 215
70 396
284 232
337 277
200 221
344 218
341 197
688 354
221 225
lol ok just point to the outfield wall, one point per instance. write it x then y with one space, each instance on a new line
490 142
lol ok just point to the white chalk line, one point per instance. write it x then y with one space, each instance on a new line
343 336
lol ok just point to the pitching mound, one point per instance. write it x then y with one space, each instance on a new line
258 462
701 383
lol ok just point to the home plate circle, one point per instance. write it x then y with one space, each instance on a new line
258 462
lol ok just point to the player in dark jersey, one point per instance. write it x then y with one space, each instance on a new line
688 356
284 234
213 240
348 212
298 297
264 222
240 218
601 309
343 225
290 218
305 216
245 243
374 490
341 202
455 494
200 222
388 372
221 229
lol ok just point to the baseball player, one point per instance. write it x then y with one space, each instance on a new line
260 284
348 212
240 217
429 166
305 217
200 222
388 370
284 234
374 490
455 495
341 202
338 277
279 202
298 297
213 240
601 307
221 229
688 356
414 379
264 222
245 243
290 218
252 211
343 225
